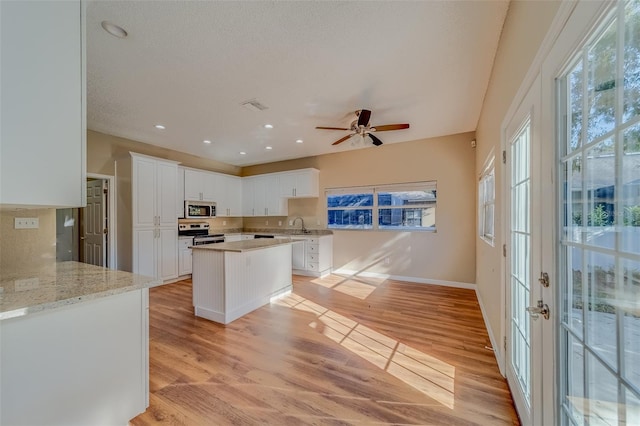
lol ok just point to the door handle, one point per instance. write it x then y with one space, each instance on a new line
541 309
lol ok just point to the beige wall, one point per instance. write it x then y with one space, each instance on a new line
26 247
525 27
103 150
447 255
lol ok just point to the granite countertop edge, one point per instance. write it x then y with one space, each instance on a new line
243 246
25 307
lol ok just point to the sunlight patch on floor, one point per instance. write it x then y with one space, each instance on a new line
427 374
353 286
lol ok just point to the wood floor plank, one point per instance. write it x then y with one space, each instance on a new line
337 351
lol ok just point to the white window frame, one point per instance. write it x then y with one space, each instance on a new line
487 200
375 209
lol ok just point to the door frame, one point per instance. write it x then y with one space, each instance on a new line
112 260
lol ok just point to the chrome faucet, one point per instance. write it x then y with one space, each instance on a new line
303 229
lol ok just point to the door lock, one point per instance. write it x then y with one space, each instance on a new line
541 309
544 279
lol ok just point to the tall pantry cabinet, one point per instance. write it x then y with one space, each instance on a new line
147 224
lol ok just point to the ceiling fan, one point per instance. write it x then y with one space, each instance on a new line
362 127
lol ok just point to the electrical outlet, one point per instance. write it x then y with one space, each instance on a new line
290 223
266 222
224 223
26 223
279 223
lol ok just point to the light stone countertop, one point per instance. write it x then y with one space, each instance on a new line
56 284
245 245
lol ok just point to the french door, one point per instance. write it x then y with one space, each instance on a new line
599 225
529 331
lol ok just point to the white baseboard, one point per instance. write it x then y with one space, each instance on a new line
417 280
497 347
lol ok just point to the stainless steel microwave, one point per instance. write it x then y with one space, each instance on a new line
199 209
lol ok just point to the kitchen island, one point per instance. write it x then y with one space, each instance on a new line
232 279
73 345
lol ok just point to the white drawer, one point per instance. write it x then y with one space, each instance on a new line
312 266
312 257
184 243
312 240
312 248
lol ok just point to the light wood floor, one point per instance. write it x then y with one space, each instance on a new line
336 351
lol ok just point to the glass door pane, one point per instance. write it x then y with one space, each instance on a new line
520 260
600 227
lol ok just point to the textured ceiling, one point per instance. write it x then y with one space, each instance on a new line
190 64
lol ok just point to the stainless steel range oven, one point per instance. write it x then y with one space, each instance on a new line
200 233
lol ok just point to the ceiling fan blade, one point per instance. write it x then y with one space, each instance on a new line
390 127
376 141
342 139
363 117
332 128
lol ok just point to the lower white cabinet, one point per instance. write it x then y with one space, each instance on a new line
81 364
185 256
298 258
154 252
312 255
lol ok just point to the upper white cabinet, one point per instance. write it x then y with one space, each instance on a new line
224 190
154 188
261 196
299 183
180 194
43 103
228 193
199 185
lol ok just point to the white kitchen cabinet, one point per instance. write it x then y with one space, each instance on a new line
147 223
43 104
199 185
185 252
299 183
80 364
314 257
154 184
228 195
261 196
298 257
155 253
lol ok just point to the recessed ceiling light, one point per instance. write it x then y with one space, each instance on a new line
243 153
299 141
268 126
114 29
206 141
159 127
268 147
